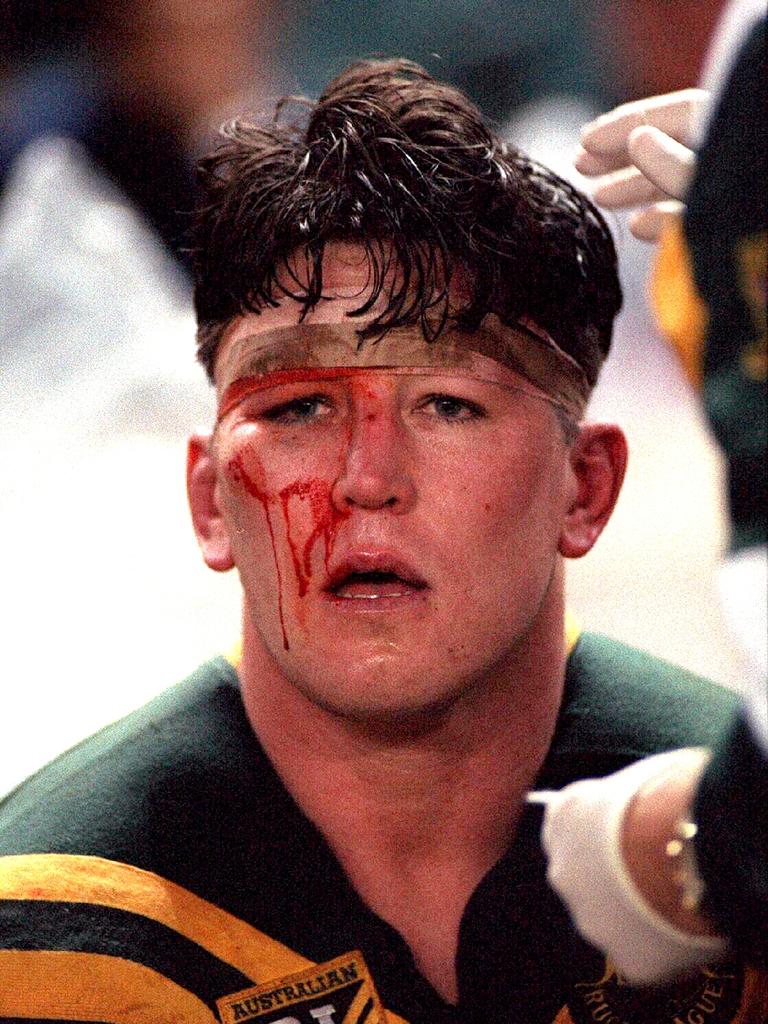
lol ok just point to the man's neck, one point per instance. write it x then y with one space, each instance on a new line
417 816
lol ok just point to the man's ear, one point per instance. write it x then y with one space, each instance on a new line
203 495
598 460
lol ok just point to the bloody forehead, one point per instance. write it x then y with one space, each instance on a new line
494 352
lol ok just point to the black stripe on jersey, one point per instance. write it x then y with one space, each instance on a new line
93 928
365 1013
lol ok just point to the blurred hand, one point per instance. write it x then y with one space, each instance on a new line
638 153
605 841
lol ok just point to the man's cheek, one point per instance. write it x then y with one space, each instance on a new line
298 517
244 473
250 504
299 513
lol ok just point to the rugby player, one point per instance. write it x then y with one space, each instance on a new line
402 317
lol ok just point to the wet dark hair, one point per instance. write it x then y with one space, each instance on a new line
406 166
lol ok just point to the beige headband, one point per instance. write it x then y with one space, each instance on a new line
526 350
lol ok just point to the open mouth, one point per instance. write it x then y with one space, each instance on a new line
374 584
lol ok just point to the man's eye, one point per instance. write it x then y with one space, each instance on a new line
448 407
298 410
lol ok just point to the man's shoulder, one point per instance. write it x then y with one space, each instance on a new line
622 703
98 797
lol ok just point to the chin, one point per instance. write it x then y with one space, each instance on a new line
385 695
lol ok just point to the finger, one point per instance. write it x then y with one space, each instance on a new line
667 163
648 224
673 113
628 187
592 166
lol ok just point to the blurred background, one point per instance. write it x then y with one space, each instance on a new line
104 107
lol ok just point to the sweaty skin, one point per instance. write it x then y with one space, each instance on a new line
301 511
287 447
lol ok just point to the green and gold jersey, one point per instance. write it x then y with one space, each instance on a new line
160 872
709 287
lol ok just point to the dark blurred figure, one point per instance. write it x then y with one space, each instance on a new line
178 68
46 81
141 84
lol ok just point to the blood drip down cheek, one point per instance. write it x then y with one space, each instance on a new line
301 514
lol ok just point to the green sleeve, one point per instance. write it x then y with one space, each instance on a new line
732 843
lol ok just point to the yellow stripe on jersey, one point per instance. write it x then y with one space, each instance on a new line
564 1017
93 880
235 655
58 985
681 313
750 257
572 632
79 879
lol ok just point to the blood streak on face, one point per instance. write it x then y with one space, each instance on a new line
314 495
239 474
325 519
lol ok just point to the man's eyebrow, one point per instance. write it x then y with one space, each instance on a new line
240 389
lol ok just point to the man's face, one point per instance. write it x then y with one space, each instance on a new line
396 533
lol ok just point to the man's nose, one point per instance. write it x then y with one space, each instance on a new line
377 468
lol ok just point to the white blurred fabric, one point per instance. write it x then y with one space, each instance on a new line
104 599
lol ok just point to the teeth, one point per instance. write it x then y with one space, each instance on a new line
373 586
371 597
